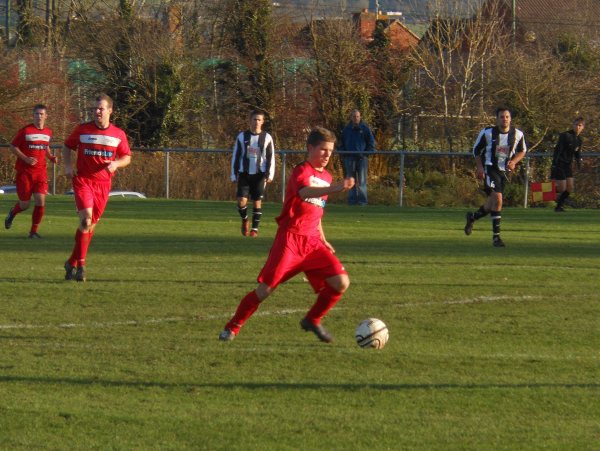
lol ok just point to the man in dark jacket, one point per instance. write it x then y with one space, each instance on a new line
358 138
567 149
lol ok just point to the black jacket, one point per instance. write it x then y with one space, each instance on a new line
567 148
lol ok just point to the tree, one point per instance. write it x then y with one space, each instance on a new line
544 93
452 61
340 76
392 71
249 27
29 29
140 68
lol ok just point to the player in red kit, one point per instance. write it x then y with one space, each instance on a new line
300 244
102 148
31 146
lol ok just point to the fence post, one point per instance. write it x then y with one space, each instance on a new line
283 154
526 182
53 177
167 174
401 186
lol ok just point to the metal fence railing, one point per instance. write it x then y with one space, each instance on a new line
395 177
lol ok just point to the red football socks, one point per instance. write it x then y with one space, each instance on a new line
247 307
327 298
75 254
86 238
82 243
16 209
36 218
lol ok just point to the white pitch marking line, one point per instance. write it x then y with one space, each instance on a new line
477 300
516 356
97 325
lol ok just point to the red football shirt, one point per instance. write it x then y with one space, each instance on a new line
33 142
298 215
96 148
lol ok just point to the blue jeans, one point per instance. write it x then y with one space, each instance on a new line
357 167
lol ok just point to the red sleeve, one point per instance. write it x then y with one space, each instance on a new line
73 140
123 148
300 178
19 138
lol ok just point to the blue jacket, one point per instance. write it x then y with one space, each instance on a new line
357 139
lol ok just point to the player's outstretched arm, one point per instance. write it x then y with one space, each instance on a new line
337 187
346 184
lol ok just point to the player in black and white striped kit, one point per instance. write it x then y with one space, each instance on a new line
252 167
497 151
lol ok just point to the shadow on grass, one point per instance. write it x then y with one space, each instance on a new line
370 250
59 280
290 386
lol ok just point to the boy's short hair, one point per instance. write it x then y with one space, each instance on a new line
579 120
40 106
102 96
503 108
257 112
318 135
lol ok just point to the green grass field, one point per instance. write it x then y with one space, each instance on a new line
489 348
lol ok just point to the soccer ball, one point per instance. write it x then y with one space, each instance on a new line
372 333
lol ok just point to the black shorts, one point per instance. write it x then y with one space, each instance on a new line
561 171
494 180
251 185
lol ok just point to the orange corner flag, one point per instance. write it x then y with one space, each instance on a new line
543 192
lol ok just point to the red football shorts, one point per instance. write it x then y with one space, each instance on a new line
91 194
292 254
29 183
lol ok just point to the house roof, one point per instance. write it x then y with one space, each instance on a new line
403 26
401 37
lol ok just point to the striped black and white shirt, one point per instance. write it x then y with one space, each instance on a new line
496 148
253 153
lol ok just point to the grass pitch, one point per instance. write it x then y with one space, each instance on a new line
489 348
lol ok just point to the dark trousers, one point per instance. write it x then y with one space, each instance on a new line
357 166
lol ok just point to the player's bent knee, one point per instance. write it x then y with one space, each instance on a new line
86 223
339 283
497 202
263 291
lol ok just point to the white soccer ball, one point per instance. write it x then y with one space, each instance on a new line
372 333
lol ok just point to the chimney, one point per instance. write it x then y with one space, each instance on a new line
374 6
366 22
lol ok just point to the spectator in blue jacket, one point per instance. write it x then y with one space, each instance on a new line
357 137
